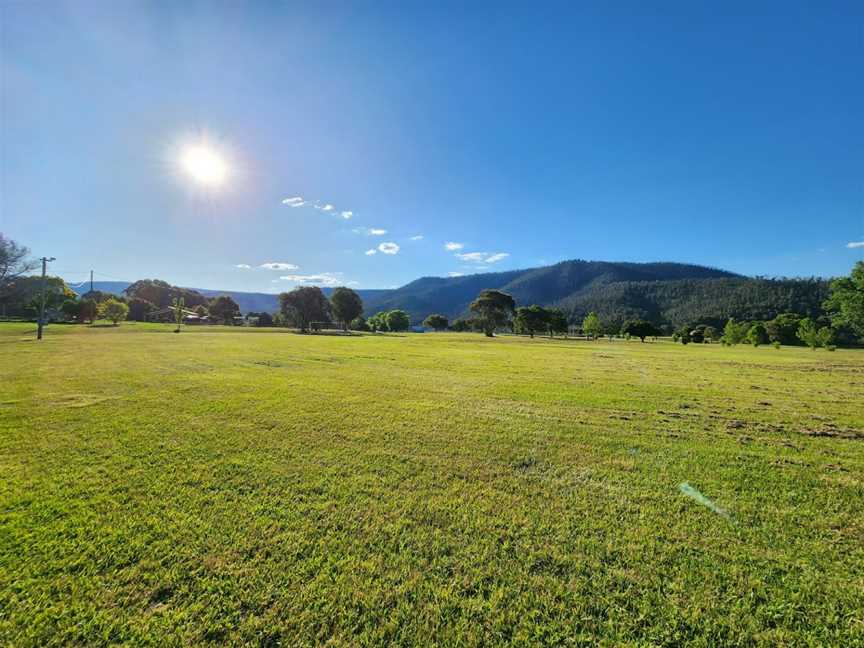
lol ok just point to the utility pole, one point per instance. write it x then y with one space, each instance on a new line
41 323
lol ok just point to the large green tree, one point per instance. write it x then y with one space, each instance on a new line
398 320
846 302
493 309
436 321
224 309
304 305
557 322
114 310
530 319
346 305
163 294
139 309
591 326
639 328
734 332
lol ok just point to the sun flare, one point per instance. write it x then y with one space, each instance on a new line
204 165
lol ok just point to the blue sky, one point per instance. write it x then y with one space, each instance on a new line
729 135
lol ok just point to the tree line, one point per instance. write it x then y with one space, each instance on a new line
811 312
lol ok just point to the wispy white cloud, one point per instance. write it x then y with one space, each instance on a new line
452 247
243 266
472 257
855 244
419 237
370 231
455 274
346 214
296 201
327 208
498 256
482 257
388 248
323 279
276 265
371 252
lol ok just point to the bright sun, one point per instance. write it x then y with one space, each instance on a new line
204 166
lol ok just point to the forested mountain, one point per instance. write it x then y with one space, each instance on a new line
665 293
547 286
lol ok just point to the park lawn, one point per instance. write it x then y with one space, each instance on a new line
258 487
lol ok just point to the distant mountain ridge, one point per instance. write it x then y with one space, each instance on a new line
547 285
666 293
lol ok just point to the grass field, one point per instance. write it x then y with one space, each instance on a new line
259 487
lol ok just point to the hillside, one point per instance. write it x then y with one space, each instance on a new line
548 285
666 293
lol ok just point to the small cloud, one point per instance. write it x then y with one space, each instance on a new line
274 265
452 247
353 283
371 252
296 201
455 274
369 231
328 207
323 279
243 266
482 257
346 214
419 237
388 248
855 244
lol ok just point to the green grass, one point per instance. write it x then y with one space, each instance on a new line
250 487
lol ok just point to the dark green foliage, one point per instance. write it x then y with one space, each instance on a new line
224 309
639 328
557 321
304 305
22 296
346 305
163 294
683 335
100 296
784 329
139 309
436 321
264 320
530 319
463 325
70 309
493 308
706 301
87 309
359 324
757 334
846 302
397 320
547 286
